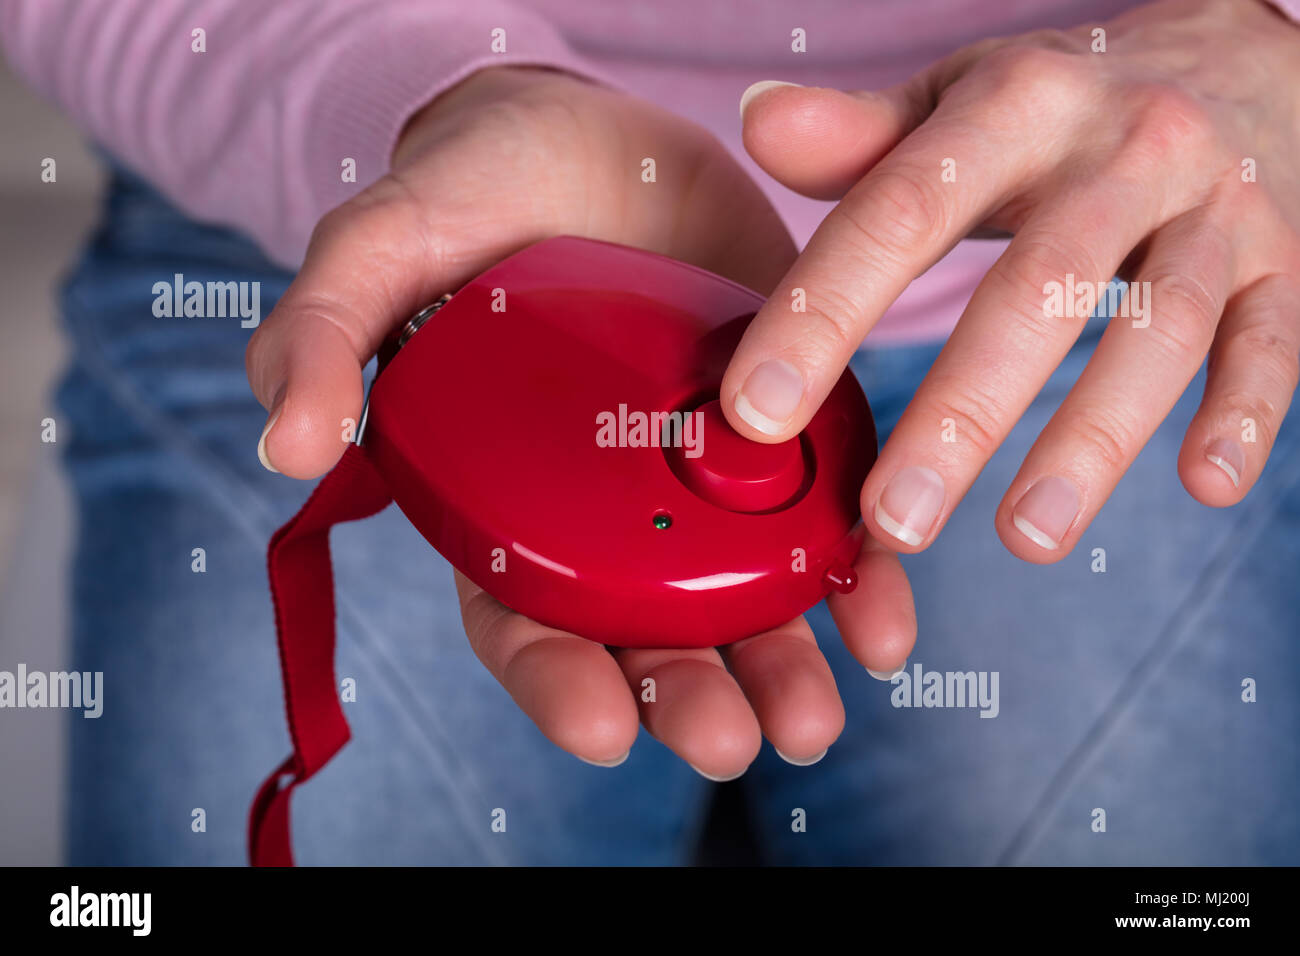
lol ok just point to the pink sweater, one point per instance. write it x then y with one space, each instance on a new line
251 133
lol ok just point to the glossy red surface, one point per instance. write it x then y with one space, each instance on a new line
511 439
735 473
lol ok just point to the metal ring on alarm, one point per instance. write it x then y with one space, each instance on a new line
413 325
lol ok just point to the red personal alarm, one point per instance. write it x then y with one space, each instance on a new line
553 430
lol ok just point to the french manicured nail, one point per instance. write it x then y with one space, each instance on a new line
709 776
1046 511
888 675
261 442
910 503
800 761
754 89
606 763
770 396
1227 454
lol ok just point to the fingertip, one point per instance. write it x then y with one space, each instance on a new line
317 408
610 763
574 692
816 141
1213 471
790 688
888 652
605 740
699 712
903 514
804 742
755 90
1028 543
877 620
1041 518
262 454
728 756
299 441
888 533
751 419
767 406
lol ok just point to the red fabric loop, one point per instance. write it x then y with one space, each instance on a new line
302 589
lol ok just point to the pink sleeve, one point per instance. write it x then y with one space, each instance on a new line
253 132
1290 8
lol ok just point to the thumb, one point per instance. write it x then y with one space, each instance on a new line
818 141
366 268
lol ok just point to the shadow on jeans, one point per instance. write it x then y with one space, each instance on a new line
728 837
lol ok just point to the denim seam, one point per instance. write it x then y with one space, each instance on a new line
1177 633
233 495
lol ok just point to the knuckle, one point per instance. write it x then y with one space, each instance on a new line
1276 355
1032 75
1271 302
1105 437
367 213
1239 405
321 315
1032 326
1034 263
905 208
331 224
1167 120
1281 287
833 325
1053 40
1187 314
384 209
976 414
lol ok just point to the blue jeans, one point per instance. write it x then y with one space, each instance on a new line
1118 690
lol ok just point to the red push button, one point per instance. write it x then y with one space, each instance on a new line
735 473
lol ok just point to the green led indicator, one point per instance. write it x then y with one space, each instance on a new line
663 520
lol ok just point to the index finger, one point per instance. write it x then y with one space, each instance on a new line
899 219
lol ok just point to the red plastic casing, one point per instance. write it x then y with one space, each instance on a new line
485 426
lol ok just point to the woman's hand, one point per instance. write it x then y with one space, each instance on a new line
1169 159
508 157
712 706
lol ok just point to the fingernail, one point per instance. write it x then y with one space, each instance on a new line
1227 454
755 88
709 776
605 763
910 503
1046 511
800 762
888 676
261 443
770 396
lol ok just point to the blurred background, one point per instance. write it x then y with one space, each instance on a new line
42 226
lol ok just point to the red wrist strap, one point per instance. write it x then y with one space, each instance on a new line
303 593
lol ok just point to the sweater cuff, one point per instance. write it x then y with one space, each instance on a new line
384 74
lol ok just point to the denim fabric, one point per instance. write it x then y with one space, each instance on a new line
1118 690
